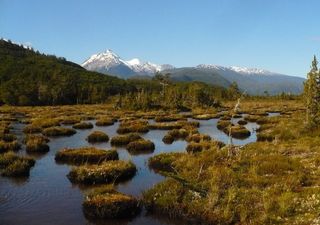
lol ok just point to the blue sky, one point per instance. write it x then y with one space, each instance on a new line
278 35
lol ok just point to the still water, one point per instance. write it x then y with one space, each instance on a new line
47 196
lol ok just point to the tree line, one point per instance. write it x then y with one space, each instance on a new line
28 77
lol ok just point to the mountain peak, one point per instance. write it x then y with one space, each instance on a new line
110 63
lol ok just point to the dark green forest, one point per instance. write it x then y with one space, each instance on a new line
28 77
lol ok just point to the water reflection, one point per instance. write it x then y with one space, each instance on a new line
47 195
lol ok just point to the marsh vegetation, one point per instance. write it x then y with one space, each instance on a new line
271 179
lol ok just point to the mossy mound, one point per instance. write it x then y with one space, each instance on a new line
106 203
97 136
107 172
83 125
85 155
36 144
165 126
141 146
122 140
12 165
58 131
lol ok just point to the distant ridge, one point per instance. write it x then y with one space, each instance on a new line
252 80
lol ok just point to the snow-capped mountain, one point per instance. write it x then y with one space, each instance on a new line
109 62
250 80
237 69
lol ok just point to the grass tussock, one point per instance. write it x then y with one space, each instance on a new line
12 165
105 121
97 136
205 116
175 134
6 137
58 131
107 203
104 173
239 132
70 120
83 125
263 183
85 155
32 129
123 140
36 144
164 161
133 126
198 138
9 146
140 146
168 118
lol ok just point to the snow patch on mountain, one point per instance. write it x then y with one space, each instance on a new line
237 69
106 61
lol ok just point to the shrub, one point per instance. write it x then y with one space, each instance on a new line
83 125
97 136
107 172
106 203
12 165
85 155
58 131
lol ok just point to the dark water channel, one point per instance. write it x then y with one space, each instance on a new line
48 197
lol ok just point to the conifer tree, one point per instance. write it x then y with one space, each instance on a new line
312 94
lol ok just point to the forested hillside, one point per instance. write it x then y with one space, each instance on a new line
30 78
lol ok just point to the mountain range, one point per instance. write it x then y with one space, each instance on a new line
251 80
109 62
